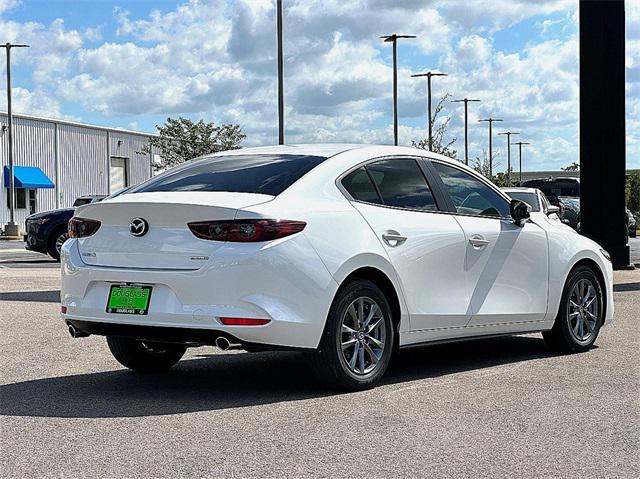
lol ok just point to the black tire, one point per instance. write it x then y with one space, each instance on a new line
330 364
145 356
563 337
52 247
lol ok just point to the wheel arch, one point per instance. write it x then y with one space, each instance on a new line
595 267
380 279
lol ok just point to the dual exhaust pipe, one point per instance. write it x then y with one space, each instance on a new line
221 342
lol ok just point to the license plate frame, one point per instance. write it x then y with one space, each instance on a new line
133 306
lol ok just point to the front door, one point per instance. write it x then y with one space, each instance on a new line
426 247
506 264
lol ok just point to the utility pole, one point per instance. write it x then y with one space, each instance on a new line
12 229
394 40
429 75
280 77
520 143
490 121
466 128
509 133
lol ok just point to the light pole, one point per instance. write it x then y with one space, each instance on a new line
394 40
280 76
520 143
490 121
12 229
466 128
509 133
429 75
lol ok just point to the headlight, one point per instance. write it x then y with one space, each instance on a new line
606 254
40 221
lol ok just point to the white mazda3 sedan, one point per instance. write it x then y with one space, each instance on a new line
347 252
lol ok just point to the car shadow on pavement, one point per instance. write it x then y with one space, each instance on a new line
223 381
52 296
623 287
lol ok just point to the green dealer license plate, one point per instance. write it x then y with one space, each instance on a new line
129 299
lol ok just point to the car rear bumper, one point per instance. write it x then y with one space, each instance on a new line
285 282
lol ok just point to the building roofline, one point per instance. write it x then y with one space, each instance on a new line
78 124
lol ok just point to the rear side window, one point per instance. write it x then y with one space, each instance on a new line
265 174
469 195
359 185
402 184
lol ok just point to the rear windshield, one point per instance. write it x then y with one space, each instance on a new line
265 174
529 198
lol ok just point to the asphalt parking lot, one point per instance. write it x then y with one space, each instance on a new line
489 408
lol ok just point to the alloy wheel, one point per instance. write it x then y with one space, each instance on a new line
362 337
583 310
60 241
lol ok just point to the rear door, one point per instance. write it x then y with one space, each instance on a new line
506 265
425 246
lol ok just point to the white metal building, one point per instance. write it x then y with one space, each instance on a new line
78 160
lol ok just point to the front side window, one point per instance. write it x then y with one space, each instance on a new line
402 184
470 195
265 174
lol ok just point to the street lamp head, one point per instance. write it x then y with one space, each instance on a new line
429 74
394 37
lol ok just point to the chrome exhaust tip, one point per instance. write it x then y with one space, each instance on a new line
224 344
76 333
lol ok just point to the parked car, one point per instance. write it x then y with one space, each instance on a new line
47 231
345 252
540 206
554 188
631 224
570 211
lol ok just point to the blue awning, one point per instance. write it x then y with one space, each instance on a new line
27 177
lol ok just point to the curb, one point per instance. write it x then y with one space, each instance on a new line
11 238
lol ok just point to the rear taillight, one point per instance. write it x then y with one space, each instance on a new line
81 227
245 231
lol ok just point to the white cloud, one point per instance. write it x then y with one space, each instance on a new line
216 59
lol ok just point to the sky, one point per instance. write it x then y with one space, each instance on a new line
131 64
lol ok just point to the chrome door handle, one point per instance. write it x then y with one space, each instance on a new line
478 241
393 238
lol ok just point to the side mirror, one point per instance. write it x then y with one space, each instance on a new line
520 211
552 209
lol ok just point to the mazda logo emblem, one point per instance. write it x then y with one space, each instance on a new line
138 227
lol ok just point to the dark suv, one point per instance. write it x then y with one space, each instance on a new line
46 232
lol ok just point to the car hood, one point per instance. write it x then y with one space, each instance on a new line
43 214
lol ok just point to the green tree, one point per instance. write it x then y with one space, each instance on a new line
181 139
633 192
575 166
481 165
439 131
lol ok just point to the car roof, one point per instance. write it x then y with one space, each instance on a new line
320 149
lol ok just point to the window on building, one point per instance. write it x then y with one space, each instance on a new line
21 198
